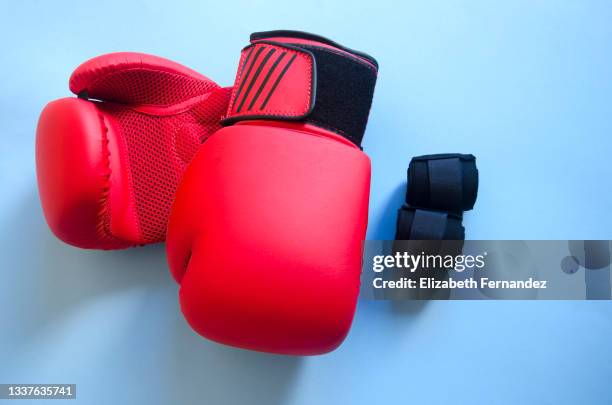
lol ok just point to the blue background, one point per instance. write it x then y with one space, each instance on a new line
526 86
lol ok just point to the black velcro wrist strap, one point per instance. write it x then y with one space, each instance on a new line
447 182
317 84
420 224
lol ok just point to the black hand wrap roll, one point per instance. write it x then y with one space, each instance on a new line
440 188
445 182
421 231
421 224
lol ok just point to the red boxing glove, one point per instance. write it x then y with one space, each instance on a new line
108 170
265 236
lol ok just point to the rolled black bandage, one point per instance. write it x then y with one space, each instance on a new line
425 233
445 182
421 224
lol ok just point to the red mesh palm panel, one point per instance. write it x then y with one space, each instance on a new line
159 149
144 86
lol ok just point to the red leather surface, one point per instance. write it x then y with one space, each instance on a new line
74 163
272 81
137 78
265 237
107 171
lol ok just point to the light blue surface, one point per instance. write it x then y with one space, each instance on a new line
526 86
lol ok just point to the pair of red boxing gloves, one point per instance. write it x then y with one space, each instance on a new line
260 190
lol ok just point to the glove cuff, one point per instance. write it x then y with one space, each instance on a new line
294 76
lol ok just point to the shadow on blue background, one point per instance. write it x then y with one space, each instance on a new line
525 86
57 327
